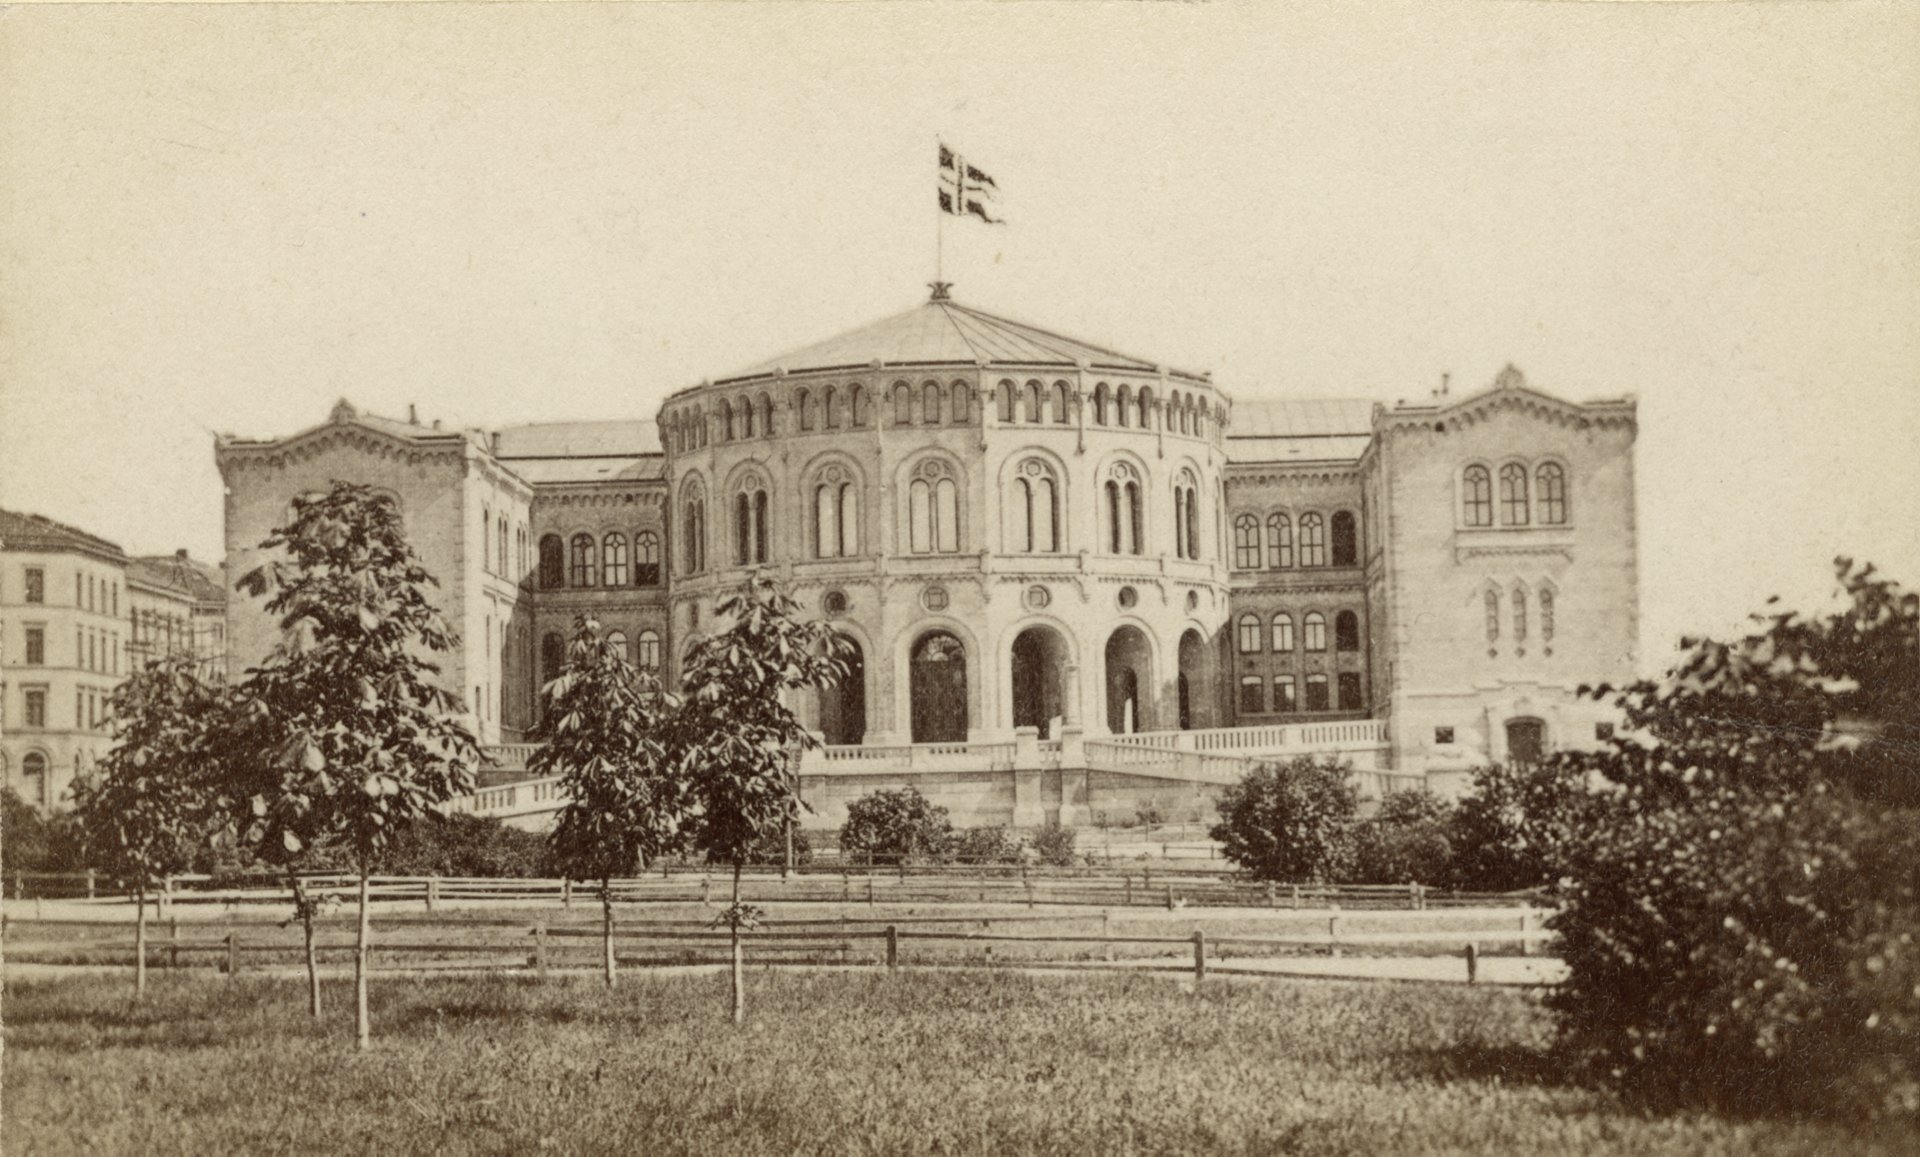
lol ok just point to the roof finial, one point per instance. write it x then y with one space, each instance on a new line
941 290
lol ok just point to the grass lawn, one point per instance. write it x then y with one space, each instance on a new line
829 1062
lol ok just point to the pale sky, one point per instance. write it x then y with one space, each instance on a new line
224 218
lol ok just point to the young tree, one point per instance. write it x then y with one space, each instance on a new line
625 807
349 737
1289 821
895 826
1404 841
147 804
734 739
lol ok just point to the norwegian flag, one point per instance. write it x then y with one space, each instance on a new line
965 190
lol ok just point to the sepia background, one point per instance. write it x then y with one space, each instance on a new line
224 218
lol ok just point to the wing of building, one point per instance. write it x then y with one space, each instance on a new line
1064 567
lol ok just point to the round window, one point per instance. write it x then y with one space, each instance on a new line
1129 598
934 598
834 602
1037 597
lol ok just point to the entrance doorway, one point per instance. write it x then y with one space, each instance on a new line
1526 740
1196 682
937 681
1129 667
1038 658
843 706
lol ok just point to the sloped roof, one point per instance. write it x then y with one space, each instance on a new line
179 573
1288 418
943 331
540 471
37 532
613 439
344 413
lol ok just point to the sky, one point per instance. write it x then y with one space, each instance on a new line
222 219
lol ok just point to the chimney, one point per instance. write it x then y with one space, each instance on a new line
436 423
413 415
181 554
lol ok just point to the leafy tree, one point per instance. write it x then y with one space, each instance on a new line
1511 831
986 846
146 805
734 739
1741 915
1289 821
604 739
896 826
1405 841
349 738
30 842
1053 846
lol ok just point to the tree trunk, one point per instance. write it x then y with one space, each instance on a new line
363 1028
140 943
305 911
606 924
739 987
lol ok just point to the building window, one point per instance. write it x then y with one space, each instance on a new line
1493 615
1253 695
1186 530
36 584
646 559
1279 542
1317 693
962 407
553 573
613 559
1346 540
36 646
1552 482
1313 540
803 402
747 418
1350 697
1100 404
1519 614
857 403
1346 631
902 403
1603 731
647 655
1283 634
836 506
1246 542
693 531
1034 403
1476 496
1286 696
930 403
1249 640
36 706
1513 494
933 509
1060 403
33 770
766 415
830 409
1314 630
553 656
725 412
1546 616
1036 508
1123 510
500 540
1443 735
617 643
750 524
1005 400
584 563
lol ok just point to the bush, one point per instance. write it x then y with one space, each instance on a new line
1289 821
772 849
895 826
1053 846
1405 841
464 845
1511 831
30 842
985 846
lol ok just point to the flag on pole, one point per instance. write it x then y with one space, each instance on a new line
965 190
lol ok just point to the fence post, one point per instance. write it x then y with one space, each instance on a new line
901 864
433 893
1127 878
1106 933
1418 895
1271 902
233 953
540 949
1028 885
1294 900
566 892
869 889
1199 958
846 887
893 948
89 883
1526 945
1333 935
173 943
1473 962
19 890
1169 897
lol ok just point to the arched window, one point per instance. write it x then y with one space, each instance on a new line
1246 542
1193 521
553 656
693 533
1493 614
1123 510
803 402
766 415
962 407
617 641
678 433
646 559
1513 494
700 430
1279 542
1253 695
859 397
1036 508
726 421
1314 631
1033 401
583 564
1346 539
1346 631
1060 403
1100 404
1313 540
503 560
1006 401
1476 496
1283 634
1125 406
647 656
1146 407
1552 482
1186 515
1519 613
830 409
930 403
933 509
553 563
33 773
613 560
1546 615
750 523
836 519
902 404
1248 636
1317 699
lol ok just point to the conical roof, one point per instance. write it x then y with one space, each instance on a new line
941 331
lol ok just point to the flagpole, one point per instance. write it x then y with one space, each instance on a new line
939 226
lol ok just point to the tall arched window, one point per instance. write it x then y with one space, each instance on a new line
750 522
1246 542
1005 399
1552 480
1283 634
501 548
726 421
1060 402
830 409
1186 514
1492 601
1476 496
1146 408
33 773
617 642
553 656
553 562
1123 511
1313 540
766 415
647 651
1100 404
693 533
902 404
1248 636
1036 508
747 417
1346 539
1513 494
1546 615
1033 401
1314 631
613 560
582 564
1279 542
1346 631
962 403
803 402
933 509
1125 406
646 559
1519 613
930 403
857 397
836 513
1193 522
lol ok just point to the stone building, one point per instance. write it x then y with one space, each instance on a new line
77 615
1045 552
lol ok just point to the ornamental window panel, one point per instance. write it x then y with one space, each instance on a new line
1313 540
836 514
1346 631
1286 695
930 403
933 509
583 562
647 648
1476 496
1551 480
1317 693
1248 636
1283 634
1246 542
613 559
1513 494
1314 631
1346 539
646 559
1279 542
1253 695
